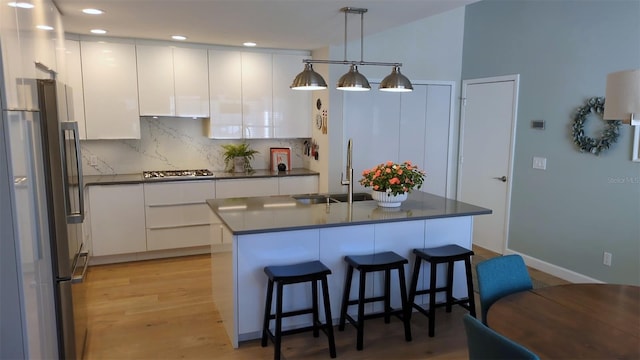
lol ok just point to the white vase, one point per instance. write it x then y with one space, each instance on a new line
388 200
238 164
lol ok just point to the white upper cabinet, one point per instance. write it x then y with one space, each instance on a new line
172 81
225 74
190 68
75 96
291 109
155 80
11 58
251 98
110 89
257 92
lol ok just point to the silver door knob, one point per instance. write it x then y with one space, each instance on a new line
503 178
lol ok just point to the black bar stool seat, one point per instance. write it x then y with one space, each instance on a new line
312 271
384 261
447 254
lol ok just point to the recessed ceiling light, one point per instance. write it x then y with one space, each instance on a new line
249 44
93 11
98 31
44 27
21 4
178 37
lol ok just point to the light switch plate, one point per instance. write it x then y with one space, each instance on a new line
539 163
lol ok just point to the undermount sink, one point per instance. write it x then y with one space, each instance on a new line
330 198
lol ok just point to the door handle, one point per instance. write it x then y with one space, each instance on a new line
503 178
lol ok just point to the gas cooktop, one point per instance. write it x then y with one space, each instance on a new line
165 174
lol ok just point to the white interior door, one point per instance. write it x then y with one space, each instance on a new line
487 132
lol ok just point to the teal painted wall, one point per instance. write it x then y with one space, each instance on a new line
582 205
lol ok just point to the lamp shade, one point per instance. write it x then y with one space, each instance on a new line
622 97
308 79
396 82
353 81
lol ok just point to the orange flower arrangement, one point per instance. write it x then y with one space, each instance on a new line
393 178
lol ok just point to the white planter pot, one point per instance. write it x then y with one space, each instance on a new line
388 200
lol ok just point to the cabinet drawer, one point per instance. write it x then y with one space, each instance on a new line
246 187
179 192
178 215
179 237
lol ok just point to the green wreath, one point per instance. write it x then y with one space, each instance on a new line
586 143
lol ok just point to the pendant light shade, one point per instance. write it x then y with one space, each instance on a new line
353 81
396 82
308 79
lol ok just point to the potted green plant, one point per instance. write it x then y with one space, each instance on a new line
237 157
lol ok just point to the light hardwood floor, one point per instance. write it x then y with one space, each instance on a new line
163 309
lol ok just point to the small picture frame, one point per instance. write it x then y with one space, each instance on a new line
280 156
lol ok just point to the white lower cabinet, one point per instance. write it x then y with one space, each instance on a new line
293 185
117 219
177 215
246 187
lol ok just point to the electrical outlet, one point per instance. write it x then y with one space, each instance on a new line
606 259
93 160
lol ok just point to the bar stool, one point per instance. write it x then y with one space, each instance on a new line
448 254
384 261
312 271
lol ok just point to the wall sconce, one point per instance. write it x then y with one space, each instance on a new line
622 97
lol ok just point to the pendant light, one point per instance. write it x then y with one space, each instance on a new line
308 79
353 80
396 82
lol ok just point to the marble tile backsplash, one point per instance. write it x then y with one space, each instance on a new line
175 143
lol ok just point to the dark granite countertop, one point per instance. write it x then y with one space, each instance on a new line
282 213
217 175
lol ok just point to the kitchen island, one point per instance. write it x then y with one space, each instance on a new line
277 230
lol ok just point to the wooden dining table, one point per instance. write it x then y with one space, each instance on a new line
574 321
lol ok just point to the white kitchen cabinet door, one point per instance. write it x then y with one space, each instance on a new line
12 59
412 126
117 219
225 97
190 69
109 78
246 187
44 39
291 109
292 185
257 95
155 80
372 121
75 100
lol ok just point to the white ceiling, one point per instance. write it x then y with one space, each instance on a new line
281 24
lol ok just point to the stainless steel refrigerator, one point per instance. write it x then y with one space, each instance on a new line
44 243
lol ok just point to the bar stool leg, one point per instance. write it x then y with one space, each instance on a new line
449 291
278 334
360 321
316 318
406 307
327 315
345 298
413 286
387 296
267 313
432 299
472 300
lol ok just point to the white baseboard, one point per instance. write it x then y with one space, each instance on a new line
554 270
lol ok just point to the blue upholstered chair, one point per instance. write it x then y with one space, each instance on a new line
501 276
484 343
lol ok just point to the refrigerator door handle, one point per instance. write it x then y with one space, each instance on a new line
73 217
78 279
